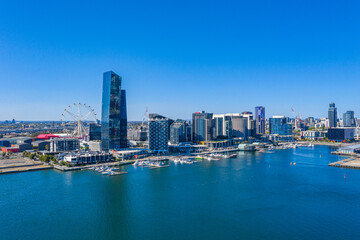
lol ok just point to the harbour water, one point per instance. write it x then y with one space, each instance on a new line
253 196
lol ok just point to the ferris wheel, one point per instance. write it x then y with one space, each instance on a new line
76 118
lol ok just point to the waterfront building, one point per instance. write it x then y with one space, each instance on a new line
113 114
332 115
312 135
246 147
178 132
202 126
223 143
260 119
95 146
349 119
278 125
158 133
87 157
64 144
188 132
94 132
40 145
222 125
158 116
239 126
280 138
218 126
139 134
341 134
123 121
350 149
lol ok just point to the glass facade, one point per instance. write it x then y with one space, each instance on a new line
279 125
260 119
332 114
201 126
111 130
349 119
123 120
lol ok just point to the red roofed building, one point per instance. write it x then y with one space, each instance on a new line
46 136
10 149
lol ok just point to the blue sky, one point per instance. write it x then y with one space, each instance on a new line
178 57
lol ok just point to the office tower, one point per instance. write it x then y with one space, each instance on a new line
178 132
158 133
227 127
202 126
123 120
158 116
260 119
94 132
349 119
279 125
239 126
189 132
218 127
113 113
252 129
332 114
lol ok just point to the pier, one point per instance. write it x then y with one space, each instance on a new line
21 165
347 163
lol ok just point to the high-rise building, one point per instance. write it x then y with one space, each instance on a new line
113 113
158 133
239 126
94 132
64 144
279 125
178 132
349 119
250 125
332 114
158 116
260 119
202 126
123 120
218 126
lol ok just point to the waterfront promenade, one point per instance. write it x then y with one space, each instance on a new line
347 163
17 165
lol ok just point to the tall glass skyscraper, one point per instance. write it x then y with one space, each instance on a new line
113 113
349 119
260 119
332 114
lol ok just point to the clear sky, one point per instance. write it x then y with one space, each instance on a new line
178 57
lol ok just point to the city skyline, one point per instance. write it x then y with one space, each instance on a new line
281 56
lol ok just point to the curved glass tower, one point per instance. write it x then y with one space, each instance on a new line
113 126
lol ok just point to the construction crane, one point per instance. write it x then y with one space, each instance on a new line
295 119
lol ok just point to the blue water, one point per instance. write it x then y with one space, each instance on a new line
254 196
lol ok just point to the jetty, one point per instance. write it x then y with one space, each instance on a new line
18 165
347 163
